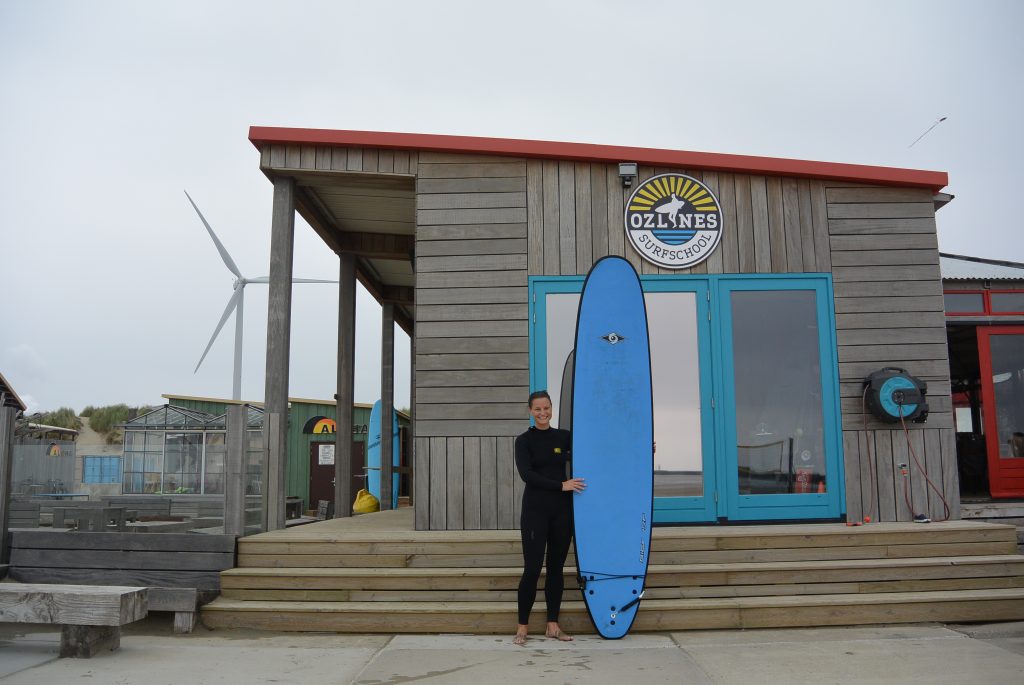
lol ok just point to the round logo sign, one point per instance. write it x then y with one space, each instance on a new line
673 221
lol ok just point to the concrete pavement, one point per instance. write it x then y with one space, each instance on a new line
151 655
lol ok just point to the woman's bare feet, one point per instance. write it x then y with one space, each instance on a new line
555 633
520 637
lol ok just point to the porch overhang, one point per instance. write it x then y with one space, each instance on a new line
368 215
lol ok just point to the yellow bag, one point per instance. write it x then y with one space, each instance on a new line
365 503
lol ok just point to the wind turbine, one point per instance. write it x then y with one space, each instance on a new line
235 304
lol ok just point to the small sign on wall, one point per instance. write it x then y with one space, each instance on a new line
326 455
321 425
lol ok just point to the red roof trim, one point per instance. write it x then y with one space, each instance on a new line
586 152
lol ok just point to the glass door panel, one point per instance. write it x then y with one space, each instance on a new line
678 460
779 428
681 375
1001 351
778 340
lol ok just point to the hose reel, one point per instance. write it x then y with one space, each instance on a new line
893 393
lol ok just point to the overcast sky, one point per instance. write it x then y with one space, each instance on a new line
108 110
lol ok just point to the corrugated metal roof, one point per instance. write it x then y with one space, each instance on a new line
963 268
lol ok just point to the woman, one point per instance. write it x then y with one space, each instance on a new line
542 453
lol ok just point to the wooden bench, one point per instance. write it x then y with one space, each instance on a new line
90 616
145 508
197 506
208 513
99 519
70 513
182 570
24 514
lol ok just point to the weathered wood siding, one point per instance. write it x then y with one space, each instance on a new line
282 158
485 223
889 312
472 335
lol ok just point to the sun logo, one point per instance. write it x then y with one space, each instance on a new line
320 425
673 221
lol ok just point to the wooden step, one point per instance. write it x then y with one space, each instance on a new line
662 558
676 546
692 580
361 595
327 548
348 577
992 509
655 614
314 539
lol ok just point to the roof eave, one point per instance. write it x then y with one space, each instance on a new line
587 152
8 396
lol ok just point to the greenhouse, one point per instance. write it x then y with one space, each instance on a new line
177 450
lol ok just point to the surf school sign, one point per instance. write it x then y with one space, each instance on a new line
674 221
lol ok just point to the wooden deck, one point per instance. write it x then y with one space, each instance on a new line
375 574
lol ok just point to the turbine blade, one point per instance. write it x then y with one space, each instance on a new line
228 262
232 303
266 279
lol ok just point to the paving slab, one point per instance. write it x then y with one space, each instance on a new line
884 654
21 649
1009 635
204 658
470 660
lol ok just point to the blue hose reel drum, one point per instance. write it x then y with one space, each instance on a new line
892 392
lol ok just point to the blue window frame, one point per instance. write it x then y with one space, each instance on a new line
737 468
774 394
101 469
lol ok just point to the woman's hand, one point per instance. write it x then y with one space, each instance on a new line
573 485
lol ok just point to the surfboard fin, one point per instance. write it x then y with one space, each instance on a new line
631 604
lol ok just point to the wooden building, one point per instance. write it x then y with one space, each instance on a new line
985 323
818 274
798 281
10 407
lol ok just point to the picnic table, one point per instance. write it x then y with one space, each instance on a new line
93 519
159 526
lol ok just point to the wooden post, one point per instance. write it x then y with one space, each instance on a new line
279 321
6 460
234 472
387 402
346 385
420 511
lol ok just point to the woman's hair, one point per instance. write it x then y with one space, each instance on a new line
538 395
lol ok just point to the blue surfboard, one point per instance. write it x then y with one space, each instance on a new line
612 445
373 462
565 403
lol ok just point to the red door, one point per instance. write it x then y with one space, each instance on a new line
1001 353
321 471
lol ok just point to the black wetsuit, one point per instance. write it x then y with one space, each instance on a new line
546 521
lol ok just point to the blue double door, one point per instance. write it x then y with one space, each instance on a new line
746 401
